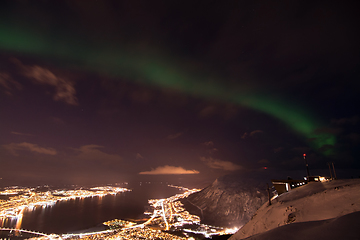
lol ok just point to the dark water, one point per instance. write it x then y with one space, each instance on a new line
79 214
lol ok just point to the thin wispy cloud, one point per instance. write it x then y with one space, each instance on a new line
7 83
245 135
354 137
64 88
210 146
342 121
209 143
263 161
251 134
21 134
57 120
220 164
279 149
14 148
227 111
174 136
208 111
163 170
255 132
93 152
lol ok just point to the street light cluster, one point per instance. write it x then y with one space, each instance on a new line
167 218
30 198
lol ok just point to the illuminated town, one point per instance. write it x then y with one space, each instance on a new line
167 217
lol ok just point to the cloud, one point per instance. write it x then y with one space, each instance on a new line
162 170
141 95
301 149
245 135
208 111
7 83
15 147
279 149
57 120
138 156
210 147
92 153
263 161
343 121
213 150
354 137
219 164
295 161
328 130
227 111
255 132
326 148
251 134
209 143
64 89
21 134
174 136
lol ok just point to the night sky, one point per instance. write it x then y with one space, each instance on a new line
110 91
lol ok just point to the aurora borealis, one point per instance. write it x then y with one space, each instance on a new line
234 61
155 70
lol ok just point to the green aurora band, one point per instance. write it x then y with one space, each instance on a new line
158 70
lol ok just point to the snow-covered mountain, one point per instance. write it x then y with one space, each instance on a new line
230 201
328 210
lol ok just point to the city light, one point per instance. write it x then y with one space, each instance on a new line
30 198
168 214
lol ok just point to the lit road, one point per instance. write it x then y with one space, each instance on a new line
52 236
86 234
167 214
164 215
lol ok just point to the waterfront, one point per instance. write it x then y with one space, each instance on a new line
79 214
85 213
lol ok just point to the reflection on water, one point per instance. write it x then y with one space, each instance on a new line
19 219
84 213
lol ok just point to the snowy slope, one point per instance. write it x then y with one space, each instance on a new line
342 228
313 202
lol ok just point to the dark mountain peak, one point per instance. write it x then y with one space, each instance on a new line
230 200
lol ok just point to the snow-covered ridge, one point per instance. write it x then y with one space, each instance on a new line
312 202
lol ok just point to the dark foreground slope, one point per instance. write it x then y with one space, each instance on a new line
229 201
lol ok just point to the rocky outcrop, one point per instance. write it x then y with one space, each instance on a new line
229 201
